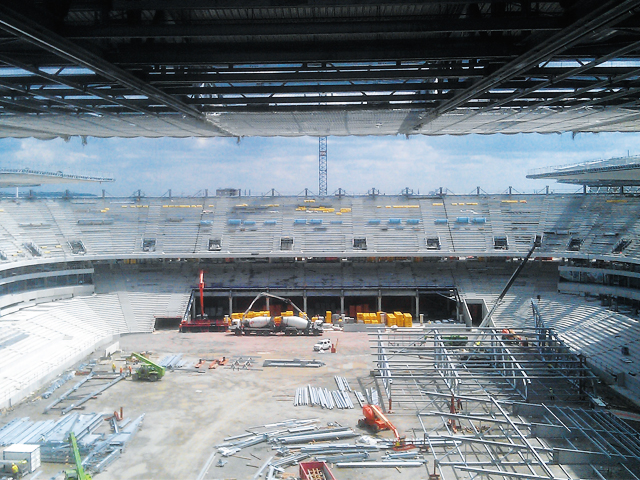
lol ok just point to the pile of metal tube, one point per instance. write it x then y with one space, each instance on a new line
99 449
317 396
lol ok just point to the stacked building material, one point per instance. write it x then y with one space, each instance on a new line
322 397
99 449
297 440
172 361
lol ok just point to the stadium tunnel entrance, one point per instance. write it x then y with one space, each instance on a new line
434 303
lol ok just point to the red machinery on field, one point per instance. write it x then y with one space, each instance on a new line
201 285
202 323
375 420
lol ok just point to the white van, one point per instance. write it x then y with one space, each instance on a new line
324 344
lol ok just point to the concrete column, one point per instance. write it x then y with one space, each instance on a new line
379 301
342 302
267 303
230 303
304 301
417 304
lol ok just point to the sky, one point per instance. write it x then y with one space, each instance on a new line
256 165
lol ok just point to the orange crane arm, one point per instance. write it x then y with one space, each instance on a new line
378 413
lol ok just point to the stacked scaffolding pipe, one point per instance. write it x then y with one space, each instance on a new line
322 397
343 384
53 437
172 361
393 464
328 448
343 457
318 436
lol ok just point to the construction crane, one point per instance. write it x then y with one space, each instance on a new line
322 167
149 370
77 473
537 242
375 421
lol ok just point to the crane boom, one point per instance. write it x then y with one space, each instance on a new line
78 473
377 412
536 243
270 295
201 285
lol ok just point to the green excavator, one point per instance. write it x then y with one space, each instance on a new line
148 370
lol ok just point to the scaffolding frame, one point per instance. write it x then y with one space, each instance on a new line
502 404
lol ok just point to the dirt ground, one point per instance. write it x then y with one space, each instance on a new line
187 414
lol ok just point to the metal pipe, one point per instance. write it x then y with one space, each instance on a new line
390 464
91 395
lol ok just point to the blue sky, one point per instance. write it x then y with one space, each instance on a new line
356 164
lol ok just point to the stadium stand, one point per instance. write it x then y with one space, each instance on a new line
141 256
465 225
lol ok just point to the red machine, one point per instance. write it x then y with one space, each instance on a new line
315 471
202 323
202 315
375 421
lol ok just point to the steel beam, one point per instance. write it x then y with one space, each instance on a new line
608 14
22 28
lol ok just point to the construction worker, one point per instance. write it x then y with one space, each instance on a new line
15 471
551 394
113 367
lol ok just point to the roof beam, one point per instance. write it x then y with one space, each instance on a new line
608 14
415 26
555 80
242 4
22 28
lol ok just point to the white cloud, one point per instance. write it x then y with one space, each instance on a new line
291 164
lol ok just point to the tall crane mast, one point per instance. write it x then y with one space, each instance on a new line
322 167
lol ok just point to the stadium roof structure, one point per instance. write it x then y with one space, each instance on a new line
615 172
24 177
156 68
